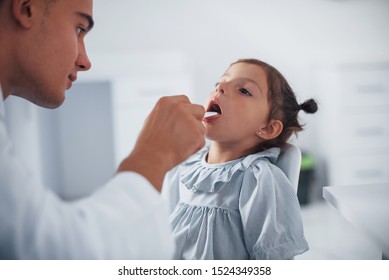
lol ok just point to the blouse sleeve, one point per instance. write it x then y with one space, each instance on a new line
270 214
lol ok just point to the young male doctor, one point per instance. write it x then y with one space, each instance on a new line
41 52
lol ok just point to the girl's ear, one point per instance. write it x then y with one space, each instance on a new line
271 130
22 11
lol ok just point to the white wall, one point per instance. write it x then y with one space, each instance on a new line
295 36
292 35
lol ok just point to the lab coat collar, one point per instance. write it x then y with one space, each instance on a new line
2 109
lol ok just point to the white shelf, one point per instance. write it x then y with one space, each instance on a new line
353 126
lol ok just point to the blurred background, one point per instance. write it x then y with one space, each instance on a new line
336 51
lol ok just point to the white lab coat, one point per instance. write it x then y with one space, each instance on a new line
119 221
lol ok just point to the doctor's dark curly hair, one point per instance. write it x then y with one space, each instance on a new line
46 2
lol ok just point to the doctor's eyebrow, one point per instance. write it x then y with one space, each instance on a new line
89 18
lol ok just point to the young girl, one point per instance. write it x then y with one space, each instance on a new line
229 200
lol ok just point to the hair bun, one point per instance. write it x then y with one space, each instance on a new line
309 106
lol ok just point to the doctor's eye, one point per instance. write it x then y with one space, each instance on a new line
245 92
80 30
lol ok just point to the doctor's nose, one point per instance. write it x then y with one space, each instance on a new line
83 63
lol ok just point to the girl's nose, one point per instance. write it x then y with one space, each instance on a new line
220 88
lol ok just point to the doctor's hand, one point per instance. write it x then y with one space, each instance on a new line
171 133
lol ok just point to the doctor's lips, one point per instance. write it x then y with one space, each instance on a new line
72 78
214 111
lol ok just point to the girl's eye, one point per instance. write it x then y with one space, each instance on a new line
245 91
217 84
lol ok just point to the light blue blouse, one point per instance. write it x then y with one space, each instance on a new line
241 209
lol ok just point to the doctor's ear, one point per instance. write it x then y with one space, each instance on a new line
271 130
23 11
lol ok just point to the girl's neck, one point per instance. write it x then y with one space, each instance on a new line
220 153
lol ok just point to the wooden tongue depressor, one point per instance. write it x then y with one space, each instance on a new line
210 114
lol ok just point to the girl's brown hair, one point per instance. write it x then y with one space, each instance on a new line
283 104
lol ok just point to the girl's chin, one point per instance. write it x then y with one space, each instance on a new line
212 137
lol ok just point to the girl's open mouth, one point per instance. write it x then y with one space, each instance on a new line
213 112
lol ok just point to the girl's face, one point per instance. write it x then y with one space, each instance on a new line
240 98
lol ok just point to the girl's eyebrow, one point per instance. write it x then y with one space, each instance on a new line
254 82
89 18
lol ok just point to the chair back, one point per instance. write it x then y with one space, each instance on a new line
290 162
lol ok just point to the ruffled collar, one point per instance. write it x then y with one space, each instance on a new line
198 175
